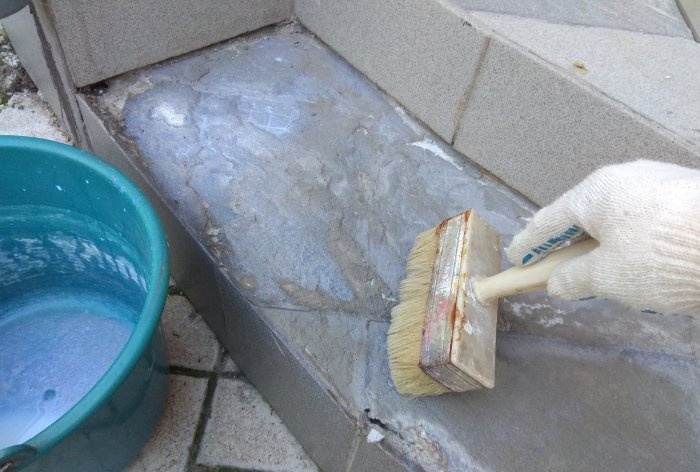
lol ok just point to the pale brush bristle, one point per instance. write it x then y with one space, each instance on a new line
407 318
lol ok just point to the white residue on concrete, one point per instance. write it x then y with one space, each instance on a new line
120 89
168 113
433 147
535 311
549 322
374 436
410 122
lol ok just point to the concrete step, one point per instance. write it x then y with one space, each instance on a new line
539 92
292 189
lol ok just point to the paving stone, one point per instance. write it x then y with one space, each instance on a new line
660 17
169 447
655 76
244 432
542 132
189 340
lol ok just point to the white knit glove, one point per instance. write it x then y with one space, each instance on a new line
646 217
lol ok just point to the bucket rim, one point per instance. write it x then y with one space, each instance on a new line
157 277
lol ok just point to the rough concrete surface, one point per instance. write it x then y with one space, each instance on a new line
652 75
26 114
100 41
190 342
539 130
13 78
308 186
22 109
242 429
660 17
168 450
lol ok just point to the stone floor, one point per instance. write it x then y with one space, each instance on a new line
214 419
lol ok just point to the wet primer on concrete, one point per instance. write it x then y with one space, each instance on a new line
309 187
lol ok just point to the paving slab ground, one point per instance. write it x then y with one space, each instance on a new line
214 420
307 186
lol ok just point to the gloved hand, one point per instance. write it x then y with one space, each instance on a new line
645 216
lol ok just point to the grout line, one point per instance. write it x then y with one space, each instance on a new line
214 376
219 468
55 76
196 445
179 370
201 424
462 104
205 412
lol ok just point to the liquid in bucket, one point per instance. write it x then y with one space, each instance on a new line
71 290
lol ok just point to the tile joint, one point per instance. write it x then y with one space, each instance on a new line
462 103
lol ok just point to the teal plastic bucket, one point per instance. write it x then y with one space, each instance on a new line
83 279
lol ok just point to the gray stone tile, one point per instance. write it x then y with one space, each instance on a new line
571 395
150 32
542 132
310 334
647 16
189 340
244 432
427 58
650 74
169 446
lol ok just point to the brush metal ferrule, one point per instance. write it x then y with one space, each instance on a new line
459 338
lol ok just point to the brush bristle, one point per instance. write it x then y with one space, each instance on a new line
404 341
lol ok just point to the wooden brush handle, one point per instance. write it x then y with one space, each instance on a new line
528 278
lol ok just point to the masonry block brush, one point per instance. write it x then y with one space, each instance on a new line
442 336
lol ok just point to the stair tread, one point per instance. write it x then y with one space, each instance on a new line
309 186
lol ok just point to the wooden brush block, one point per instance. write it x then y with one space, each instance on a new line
459 338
